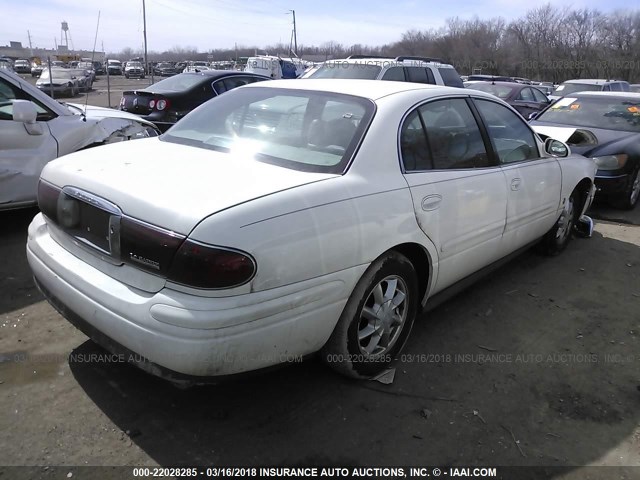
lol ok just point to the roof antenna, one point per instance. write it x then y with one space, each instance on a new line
93 55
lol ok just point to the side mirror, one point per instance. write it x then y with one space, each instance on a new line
556 148
24 111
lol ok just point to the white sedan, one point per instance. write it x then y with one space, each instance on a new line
35 129
286 218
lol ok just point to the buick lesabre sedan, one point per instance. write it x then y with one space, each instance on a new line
286 218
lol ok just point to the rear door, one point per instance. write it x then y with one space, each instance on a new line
459 197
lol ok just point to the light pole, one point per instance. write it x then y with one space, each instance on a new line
295 35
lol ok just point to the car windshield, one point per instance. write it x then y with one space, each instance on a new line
177 83
296 129
134 64
501 91
165 65
569 88
612 113
361 71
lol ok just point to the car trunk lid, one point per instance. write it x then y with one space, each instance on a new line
168 185
137 101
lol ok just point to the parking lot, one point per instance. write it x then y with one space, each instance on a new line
105 92
537 364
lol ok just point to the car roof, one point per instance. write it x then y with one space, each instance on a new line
371 89
224 73
383 61
633 95
506 84
591 81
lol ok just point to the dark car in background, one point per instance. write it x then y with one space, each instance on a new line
167 101
604 126
165 69
98 67
526 99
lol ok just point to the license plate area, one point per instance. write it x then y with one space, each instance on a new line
91 220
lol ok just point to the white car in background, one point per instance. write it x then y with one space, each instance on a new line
62 82
284 218
35 129
197 67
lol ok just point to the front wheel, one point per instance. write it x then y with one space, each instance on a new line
628 199
557 239
376 320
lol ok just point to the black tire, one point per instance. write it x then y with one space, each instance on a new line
365 339
559 236
628 199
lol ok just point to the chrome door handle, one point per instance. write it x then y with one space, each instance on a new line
431 202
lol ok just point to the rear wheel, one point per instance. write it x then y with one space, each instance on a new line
557 239
376 320
628 199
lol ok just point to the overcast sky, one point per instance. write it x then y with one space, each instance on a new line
207 24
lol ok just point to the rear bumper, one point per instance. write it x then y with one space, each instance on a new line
173 334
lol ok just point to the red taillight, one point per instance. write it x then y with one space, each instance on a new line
162 104
152 103
206 266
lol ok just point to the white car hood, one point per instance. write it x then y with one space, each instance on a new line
557 133
169 185
92 111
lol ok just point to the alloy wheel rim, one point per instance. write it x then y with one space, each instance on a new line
383 316
565 221
635 188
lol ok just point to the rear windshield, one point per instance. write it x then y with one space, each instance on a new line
568 88
612 113
359 71
297 129
177 83
500 91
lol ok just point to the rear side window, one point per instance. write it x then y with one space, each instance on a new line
394 74
450 77
420 75
442 135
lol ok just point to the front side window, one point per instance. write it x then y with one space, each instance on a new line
9 93
539 96
526 95
512 139
301 130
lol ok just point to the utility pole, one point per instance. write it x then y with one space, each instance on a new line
295 34
30 46
146 59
